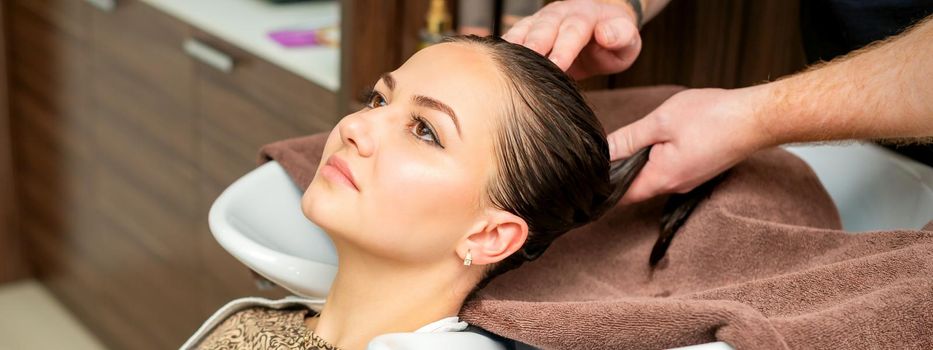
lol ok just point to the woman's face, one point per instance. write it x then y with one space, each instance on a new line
420 155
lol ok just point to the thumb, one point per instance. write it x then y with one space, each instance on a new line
623 143
615 33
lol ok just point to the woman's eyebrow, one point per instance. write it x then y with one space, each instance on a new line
426 101
431 103
388 80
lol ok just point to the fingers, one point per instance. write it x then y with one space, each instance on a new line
633 137
562 31
615 46
574 33
519 31
620 38
645 186
543 32
623 143
559 31
659 176
615 33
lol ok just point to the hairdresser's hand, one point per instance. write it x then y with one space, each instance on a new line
696 134
583 37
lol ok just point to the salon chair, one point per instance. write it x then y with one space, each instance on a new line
258 220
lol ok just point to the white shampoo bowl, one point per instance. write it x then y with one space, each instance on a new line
258 219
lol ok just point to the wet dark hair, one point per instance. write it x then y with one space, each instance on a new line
551 150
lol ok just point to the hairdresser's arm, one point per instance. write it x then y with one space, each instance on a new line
882 91
563 30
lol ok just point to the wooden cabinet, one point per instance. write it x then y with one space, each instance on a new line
121 141
146 175
12 260
53 145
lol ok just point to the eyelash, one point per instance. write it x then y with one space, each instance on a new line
416 120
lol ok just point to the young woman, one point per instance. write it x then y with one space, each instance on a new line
469 159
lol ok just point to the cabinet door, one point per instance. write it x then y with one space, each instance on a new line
12 259
147 178
51 133
239 110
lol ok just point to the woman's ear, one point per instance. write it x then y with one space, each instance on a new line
501 234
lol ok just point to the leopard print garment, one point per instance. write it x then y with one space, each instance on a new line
261 328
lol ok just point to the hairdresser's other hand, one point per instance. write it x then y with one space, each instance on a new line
583 37
696 134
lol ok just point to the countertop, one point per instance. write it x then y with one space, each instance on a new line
246 24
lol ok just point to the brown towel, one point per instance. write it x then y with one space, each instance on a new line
761 264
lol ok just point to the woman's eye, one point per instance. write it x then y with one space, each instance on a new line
376 100
423 131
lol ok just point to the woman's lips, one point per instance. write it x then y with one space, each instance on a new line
336 169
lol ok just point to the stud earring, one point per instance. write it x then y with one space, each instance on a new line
468 260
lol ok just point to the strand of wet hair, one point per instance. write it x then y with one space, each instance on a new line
621 175
623 172
675 213
677 208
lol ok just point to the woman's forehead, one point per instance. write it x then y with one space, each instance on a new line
454 57
463 76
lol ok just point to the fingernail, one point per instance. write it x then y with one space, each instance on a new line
610 35
531 45
554 59
612 150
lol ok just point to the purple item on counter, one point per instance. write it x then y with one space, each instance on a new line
296 38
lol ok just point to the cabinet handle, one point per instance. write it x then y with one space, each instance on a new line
103 5
208 55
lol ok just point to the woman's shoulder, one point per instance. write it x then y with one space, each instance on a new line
257 323
260 328
262 316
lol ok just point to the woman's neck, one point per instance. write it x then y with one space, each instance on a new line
370 297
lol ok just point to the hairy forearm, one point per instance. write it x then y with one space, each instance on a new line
882 91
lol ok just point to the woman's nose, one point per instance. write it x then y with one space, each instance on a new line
356 132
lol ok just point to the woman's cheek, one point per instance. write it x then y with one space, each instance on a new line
424 199
421 184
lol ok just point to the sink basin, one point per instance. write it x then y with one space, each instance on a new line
258 220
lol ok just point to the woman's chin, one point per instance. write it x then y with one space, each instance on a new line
319 207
